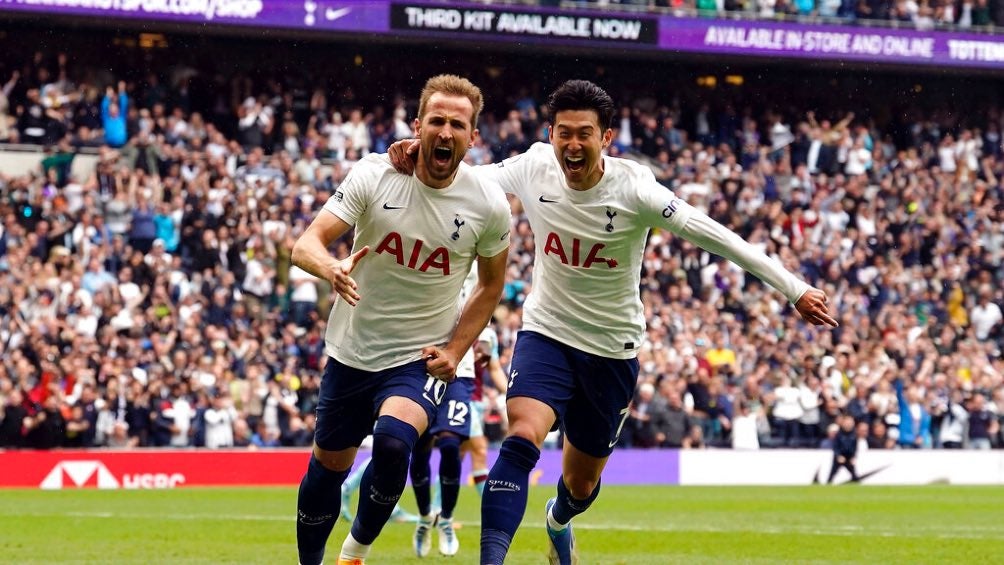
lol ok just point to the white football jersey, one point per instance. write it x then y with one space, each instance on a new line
423 242
589 246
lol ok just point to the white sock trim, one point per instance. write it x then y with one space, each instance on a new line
352 549
554 524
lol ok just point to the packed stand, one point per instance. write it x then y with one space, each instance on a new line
153 302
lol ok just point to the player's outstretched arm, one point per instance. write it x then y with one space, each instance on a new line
442 362
712 236
310 253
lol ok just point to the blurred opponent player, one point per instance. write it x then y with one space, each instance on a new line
457 422
487 369
575 361
391 354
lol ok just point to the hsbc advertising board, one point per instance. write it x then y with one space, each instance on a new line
154 469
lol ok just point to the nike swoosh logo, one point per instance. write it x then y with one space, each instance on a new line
863 476
389 207
545 200
332 15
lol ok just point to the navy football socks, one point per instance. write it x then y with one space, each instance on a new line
317 507
566 507
505 496
420 475
384 480
449 473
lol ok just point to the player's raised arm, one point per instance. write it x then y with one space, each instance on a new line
701 230
310 253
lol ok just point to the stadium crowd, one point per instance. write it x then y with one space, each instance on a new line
152 301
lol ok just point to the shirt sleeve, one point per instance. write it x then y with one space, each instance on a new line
352 197
495 238
660 206
718 239
512 174
672 213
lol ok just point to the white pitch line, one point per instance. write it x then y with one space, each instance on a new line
835 530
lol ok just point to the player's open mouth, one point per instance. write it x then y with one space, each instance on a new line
575 164
442 155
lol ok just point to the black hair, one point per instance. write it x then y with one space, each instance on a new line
582 95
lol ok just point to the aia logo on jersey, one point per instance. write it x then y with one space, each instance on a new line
573 255
419 257
671 208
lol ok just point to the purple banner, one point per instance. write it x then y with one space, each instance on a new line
602 30
360 16
832 42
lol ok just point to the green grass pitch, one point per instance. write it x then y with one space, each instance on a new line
627 525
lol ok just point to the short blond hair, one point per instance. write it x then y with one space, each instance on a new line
455 86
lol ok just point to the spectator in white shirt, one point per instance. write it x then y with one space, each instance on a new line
787 411
219 422
986 315
303 299
946 154
357 132
859 158
967 152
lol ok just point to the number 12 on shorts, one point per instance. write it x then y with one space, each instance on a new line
457 412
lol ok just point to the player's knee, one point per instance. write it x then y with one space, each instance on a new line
393 439
334 460
528 431
580 487
530 421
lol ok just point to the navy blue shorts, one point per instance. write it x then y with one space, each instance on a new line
455 411
588 393
350 400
